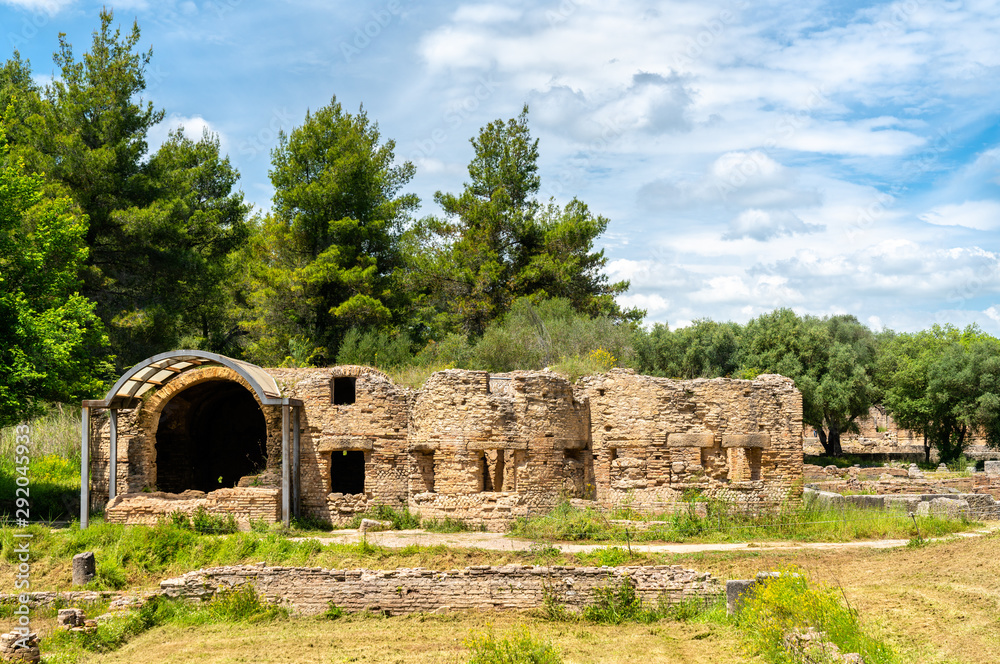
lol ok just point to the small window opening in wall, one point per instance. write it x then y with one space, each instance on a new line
486 481
344 391
425 470
754 461
492 467
347 471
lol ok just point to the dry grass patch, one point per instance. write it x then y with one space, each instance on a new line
424 639
937 604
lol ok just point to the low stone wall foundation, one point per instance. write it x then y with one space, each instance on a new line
309 591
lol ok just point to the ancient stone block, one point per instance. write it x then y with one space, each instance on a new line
68 618
84 568
738 591
691 440
747 440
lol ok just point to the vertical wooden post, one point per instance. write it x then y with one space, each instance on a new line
286 492
85 467
113 469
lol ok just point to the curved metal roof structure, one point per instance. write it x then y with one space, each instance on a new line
155 372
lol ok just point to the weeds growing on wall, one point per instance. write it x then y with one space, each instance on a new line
401 519
619 603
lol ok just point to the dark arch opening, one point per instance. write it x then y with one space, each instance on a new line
208 437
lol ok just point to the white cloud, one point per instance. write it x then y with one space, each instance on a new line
194 128
762 225
979 215
49 7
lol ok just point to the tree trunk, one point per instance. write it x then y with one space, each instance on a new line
831 441
835 440
827 450
927 449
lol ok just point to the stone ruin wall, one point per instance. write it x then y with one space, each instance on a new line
374 425
492 450
309 591
656 439
487 449
879 437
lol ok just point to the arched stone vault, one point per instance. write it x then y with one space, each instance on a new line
150 386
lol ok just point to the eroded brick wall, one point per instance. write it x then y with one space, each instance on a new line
656 439
487 449
309 591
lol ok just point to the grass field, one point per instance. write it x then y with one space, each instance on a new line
934 603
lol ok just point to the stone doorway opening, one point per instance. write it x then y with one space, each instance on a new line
208 437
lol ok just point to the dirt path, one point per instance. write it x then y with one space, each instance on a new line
396 539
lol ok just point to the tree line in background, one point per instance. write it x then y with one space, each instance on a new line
110 253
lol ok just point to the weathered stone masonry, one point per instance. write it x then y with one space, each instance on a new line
309 591
468 445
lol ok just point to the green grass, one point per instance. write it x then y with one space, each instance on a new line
53 462
240 605
515 647
788 602
402 519
808 522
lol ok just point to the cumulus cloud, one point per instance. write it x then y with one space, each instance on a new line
763 225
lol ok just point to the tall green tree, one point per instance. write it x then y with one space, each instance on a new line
326 260
163 227
945 384
497 242
704 349
832 361
54 346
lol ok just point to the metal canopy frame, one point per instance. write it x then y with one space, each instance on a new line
155 372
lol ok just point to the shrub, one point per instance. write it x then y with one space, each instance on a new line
241 604
539 334
206 523
614 605
333 612
401 519
375 348
786 602
516 647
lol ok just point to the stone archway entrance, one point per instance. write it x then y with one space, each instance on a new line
208 436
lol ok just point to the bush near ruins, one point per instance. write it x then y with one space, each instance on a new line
787 603
515 647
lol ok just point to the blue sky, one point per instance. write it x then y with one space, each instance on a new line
828 157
